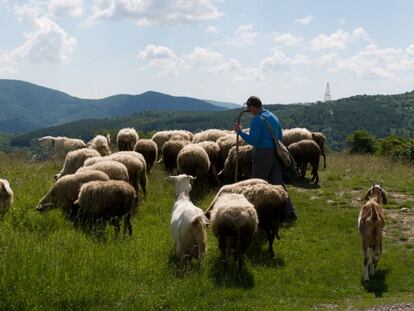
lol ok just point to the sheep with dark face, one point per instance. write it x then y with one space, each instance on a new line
234 223
75 159
245 163
6 197
268 200
62 145
370 224
66 190
193 160
304 152
319 138
100 201
148 148
126 139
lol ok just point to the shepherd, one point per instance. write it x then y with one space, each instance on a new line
266 164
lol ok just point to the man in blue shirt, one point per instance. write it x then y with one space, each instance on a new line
266 164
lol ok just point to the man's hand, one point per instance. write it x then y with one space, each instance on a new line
237 127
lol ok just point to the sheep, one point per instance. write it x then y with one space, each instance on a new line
126 139
234 223
65 191
226 143
170 151
75 159
245 158
209 135
148 148
100 201
268 200
304 152
319 138
101 144
163 136
193 160
114 169
294 135
136 167
62 145
370 224
188 224
6 197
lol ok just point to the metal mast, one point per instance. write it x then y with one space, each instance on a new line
327 96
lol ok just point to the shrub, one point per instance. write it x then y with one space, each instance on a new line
361 141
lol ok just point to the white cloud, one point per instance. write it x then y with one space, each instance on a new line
286 39
211 29
203 59
164 59
278 60
47 42
338 40
304 20
148 12
243 36
61 7
410 49
326 59
8 70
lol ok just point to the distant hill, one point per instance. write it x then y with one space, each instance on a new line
223 104
26 107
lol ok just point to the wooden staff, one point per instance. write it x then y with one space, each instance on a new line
236 171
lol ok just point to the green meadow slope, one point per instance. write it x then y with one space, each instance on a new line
45 264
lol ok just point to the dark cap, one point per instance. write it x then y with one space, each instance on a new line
254 101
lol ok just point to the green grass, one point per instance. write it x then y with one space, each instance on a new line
45 264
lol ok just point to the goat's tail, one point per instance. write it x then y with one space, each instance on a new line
373 214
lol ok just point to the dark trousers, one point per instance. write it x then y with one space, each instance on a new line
267 166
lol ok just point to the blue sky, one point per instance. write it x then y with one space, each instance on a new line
226 50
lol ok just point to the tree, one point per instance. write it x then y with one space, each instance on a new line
361 141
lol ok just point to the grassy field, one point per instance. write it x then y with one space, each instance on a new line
46 264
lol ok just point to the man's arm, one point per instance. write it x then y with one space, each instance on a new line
254 134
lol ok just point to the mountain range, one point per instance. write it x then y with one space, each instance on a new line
25 107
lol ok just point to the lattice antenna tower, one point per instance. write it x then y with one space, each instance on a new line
327 97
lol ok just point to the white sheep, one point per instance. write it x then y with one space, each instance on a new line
126 139
101 144
65 191
226 143
370 224
170 151
193 160
75 159
100 201
209 135
245 164
163 136
268 200
148 148
294 135
234 223
114 169
62 145
6 197
188 223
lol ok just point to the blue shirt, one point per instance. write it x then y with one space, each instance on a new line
259 135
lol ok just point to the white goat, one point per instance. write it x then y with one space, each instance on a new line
188 223
370 225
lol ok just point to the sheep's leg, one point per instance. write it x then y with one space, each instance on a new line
115 223
127 224
324 159
271 237
239 252
143 183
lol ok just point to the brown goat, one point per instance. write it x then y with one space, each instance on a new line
370 225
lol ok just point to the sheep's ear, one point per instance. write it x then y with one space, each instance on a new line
192 177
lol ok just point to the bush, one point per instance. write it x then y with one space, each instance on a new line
361 141
396 147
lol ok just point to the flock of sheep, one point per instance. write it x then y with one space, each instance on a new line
95 186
